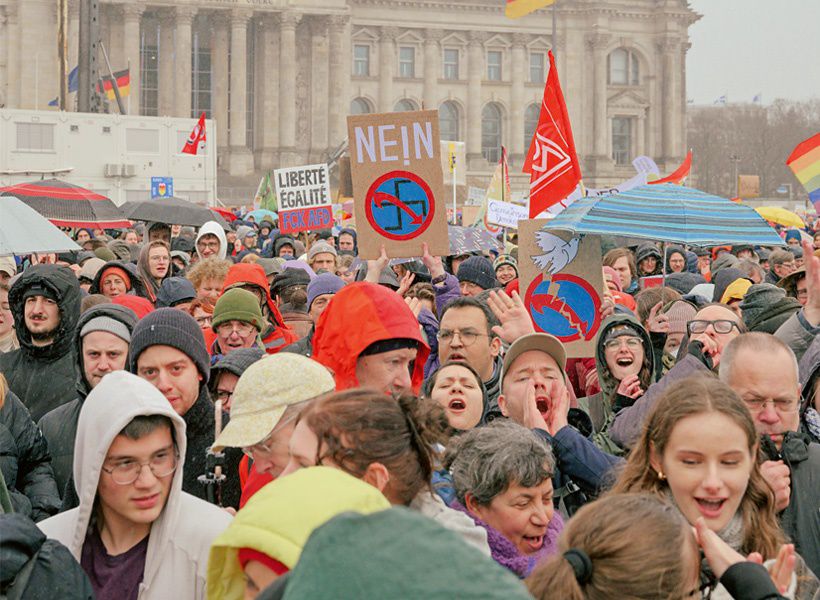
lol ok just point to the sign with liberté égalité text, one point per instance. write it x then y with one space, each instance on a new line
398 186
303 194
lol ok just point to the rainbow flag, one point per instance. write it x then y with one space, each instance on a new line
518 8
805 162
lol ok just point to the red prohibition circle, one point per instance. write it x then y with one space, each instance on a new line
368 202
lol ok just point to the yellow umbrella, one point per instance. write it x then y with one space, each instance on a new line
776 214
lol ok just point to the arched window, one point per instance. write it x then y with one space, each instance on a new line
448 121
360 106
404 106
623 67
530 123
491 132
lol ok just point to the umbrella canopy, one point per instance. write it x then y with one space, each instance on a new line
781 216
470 239
173 211
24 231
68 205
260 213
670 213
225 213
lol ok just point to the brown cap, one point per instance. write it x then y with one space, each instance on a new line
543 342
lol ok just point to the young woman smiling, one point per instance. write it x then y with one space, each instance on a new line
698 449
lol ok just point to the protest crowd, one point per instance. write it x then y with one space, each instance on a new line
319 425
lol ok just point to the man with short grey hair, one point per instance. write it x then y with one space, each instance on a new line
763 371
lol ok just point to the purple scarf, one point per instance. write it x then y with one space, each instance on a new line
504 551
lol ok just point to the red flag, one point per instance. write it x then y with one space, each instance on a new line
196 141
679 174
551 161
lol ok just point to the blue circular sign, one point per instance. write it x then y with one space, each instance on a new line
399 205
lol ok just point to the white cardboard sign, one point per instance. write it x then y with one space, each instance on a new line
506 214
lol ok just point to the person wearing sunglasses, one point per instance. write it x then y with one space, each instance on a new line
711 329
135 532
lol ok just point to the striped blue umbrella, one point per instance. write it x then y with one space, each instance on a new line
670 213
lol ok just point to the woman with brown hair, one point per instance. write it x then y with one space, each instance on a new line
699 450
604 552
388 442
623 261
154 265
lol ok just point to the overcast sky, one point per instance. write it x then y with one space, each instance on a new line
745 47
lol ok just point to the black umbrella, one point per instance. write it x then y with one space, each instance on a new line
173 211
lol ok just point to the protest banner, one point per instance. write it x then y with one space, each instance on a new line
398 189
475 196
748 186
304 198
562 284
470 214
506 214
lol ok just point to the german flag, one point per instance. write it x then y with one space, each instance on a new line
123 82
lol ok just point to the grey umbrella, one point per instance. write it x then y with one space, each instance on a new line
24 231
173 211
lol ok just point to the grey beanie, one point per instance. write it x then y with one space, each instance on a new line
324 283
765 307
478 270
170 327
108 325
726 260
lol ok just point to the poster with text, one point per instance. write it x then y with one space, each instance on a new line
562 284
304 197
398 190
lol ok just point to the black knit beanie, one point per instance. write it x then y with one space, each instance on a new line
478 270
170 327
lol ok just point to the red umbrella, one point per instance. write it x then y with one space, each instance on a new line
68 205
225 213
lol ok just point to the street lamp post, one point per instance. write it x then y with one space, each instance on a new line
735 159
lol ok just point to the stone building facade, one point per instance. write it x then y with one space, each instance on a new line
280 76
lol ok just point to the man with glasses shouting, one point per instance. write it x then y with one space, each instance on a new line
135 532
763 371
712 328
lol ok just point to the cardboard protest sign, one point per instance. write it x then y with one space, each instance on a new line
470 214
399 199
506 214
304 198
475 196
562 284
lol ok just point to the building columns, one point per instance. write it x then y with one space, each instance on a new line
239 158
387 66
432 67
132 17
338 79
268 103
220 35
516 133
182 62
319 84
166 65
475 72
669 50
287 88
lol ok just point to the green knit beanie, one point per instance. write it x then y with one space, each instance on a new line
238 305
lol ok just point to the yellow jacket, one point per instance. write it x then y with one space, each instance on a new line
280 517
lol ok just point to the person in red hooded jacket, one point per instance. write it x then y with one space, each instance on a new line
368 337
251 277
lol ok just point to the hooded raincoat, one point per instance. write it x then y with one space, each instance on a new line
24 367
59 426
277 335
135 286
603 406
213 228
301 502
179 541
360 314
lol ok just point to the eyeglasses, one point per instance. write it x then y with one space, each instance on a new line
206 320
467 336
223 395
633 343
720 326
804 293
161 464
209 245
159 258
242 329
781 406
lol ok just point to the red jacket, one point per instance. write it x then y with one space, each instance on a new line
279 335
360 314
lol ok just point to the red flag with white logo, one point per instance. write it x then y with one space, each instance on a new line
196 141
551 161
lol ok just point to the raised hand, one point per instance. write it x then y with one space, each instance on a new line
406 281
512 314
658 323
415 305
778 475
811 310
374 267
630 387
433 263
559 407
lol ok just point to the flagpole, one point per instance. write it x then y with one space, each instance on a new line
454 187
129 85
554 34
113 81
